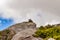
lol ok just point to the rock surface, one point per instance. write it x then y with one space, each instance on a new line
24 31
24 35
22 26
51 39
20 31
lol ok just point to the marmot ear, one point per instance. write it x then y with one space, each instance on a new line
30 20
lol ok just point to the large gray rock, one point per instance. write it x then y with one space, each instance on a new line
20 31
24 31
24 35
51 39
22 26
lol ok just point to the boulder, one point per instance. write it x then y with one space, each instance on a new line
22 26
24 35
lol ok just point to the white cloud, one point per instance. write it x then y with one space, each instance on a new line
52 22
41 11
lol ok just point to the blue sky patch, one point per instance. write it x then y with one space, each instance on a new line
5 22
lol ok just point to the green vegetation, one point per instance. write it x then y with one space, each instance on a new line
49 31
6 35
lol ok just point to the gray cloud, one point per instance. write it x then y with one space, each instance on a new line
41 11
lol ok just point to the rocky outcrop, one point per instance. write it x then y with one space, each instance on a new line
24 31
20 31
26 35
23 26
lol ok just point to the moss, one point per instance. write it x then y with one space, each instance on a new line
6 35
48 31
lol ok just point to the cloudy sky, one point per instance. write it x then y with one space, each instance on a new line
42 12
